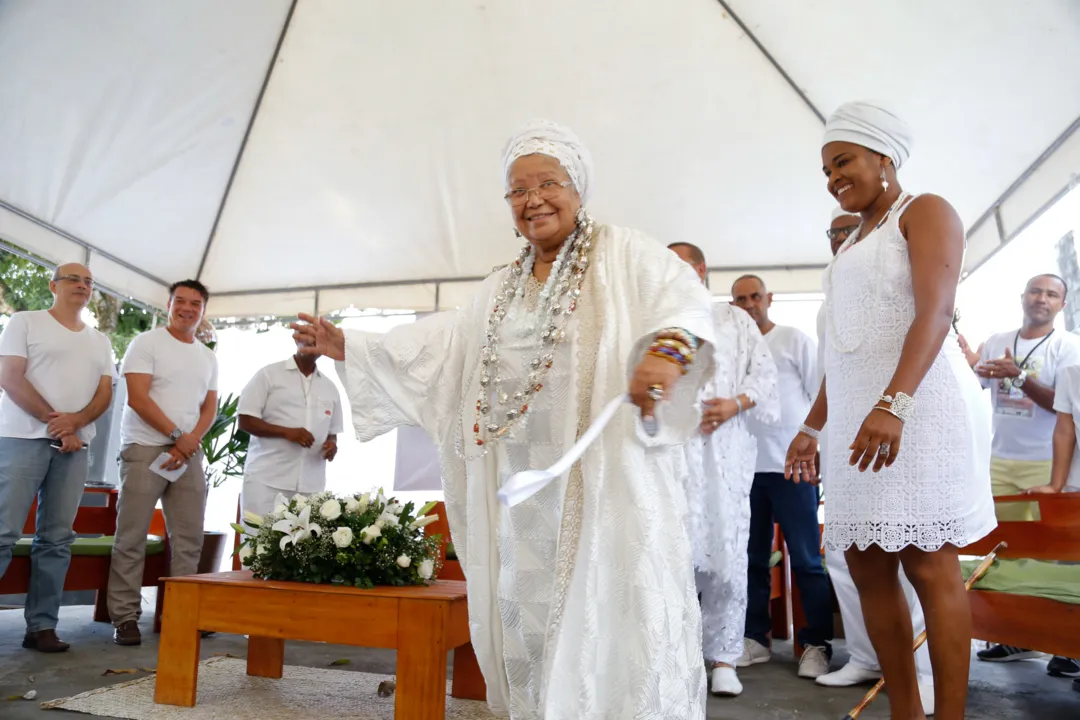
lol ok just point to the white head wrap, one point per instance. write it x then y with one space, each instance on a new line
872 126
839 212
543 137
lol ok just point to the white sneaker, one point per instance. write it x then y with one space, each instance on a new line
850 674
754 653
725 682
814 662
926 694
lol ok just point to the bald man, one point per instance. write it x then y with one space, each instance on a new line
56 373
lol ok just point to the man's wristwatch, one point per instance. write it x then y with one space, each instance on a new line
1018 381
175 434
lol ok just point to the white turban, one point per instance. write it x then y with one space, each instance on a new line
543 137
871 126
839 212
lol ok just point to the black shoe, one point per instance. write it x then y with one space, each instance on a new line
1007 653
44 641
127 633
1063 667
1076 685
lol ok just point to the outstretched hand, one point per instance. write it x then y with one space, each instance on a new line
318 336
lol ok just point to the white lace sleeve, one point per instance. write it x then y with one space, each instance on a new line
669 295
411 375
758 378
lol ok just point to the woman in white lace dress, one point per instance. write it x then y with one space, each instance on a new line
913 486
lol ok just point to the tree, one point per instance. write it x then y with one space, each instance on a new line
24 285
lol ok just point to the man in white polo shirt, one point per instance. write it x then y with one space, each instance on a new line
793 505
172 401
56 374
293 414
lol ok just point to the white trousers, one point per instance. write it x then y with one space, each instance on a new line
258 498
858 641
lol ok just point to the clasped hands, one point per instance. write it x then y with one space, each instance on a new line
64 427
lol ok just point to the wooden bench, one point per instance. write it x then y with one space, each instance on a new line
1036 623
91 556
421 623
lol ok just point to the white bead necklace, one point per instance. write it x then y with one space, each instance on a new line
557 301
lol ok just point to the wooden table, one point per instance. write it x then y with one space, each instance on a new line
421 623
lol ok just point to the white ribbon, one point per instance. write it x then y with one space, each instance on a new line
523 485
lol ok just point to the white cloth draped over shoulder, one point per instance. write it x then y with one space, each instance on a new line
610 627
722 464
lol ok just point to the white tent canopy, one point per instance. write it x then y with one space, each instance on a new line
317 154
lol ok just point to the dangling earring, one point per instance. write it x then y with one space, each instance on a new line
517 233
581 216
884 180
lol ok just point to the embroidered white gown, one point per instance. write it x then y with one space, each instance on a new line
582 603
938 490
721 473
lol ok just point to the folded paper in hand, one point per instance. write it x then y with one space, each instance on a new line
170 475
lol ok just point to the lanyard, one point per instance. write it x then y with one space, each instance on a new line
1016 341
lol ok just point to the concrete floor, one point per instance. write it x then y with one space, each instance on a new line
772 691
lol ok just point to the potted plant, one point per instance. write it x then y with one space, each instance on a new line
224 449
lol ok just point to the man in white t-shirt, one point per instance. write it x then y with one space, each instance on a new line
1022 369
172 401
56 373
293 414
1065 472
793 505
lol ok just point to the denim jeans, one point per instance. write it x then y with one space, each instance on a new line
795 508
29 468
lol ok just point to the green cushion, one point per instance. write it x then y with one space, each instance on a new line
92 547
1049 580
451 554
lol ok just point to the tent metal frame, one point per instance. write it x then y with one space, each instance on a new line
994 211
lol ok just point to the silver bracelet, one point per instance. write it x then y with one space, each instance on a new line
807 430
900 405
738 402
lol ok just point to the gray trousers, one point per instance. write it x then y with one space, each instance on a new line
184 503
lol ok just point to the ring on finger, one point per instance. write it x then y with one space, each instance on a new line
883 449
656 392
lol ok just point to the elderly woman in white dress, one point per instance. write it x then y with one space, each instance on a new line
901 403
581 599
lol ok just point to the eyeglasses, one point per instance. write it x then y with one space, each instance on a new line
546 190
836 233
76 279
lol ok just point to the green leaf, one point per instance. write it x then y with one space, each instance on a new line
342 661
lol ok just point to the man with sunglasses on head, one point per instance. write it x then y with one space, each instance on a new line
56 373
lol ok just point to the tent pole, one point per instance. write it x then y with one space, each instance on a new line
244 142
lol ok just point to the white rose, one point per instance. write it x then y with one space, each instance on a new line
389 518
245 554
342 537
261 549
280 510
368 534
331 509
300 500
352 505
426 569
396 508
404 561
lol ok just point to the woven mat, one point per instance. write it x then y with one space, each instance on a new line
226 692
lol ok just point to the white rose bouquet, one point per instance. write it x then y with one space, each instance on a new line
362 541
